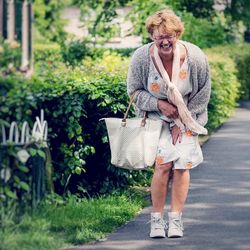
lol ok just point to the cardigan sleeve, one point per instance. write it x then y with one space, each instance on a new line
198 104
137 81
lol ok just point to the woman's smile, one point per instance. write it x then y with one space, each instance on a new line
166 48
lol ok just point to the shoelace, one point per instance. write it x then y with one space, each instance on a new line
178 223
159 221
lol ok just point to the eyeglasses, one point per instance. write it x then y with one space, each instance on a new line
162 37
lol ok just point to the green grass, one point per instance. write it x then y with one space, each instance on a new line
75 221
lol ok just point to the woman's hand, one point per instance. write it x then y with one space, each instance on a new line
176 134
168 109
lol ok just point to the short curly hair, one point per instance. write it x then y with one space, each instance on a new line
166 19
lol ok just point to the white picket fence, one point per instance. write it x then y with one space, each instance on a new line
25 135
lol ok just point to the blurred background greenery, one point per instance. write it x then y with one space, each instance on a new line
79 79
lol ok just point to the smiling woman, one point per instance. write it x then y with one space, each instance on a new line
172 82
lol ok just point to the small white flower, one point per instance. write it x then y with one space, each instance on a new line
37 136
23 155
5 174
10 66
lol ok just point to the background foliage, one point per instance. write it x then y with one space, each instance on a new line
100 18
77 82
48 21
76 96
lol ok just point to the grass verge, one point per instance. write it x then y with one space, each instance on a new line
60 223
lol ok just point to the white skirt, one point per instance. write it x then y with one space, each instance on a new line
186 154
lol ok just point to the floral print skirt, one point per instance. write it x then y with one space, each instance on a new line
186 154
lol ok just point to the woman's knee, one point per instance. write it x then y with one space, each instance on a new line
164 168
181 171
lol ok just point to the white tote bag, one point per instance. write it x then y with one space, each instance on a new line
133 142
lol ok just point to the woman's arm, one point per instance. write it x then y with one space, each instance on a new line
137 81
198 104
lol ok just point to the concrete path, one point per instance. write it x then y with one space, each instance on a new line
217 213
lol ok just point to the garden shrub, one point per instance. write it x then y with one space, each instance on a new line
225 90
78 141
10 57
74 52
243 66
124 52
43 52
7 84
241 56
23 181
207 33
202 32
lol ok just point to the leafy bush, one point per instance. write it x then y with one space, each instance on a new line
110 62
74 52
241 56
43 52
209 33
243 66
225 90
201 32
73 110
47 19
50 54
10 57
199 8
22 178
98 52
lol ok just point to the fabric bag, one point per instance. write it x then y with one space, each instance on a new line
133 142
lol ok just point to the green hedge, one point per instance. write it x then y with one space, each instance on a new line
74 52
78 141
74 99
225 89
241 56
10 57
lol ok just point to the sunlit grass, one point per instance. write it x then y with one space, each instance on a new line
76 221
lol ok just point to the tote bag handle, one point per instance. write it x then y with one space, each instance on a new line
143 122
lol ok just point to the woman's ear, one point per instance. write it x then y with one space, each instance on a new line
178 34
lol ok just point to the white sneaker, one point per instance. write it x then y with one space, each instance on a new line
157 226
175 226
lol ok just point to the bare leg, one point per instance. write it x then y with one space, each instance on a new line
159 186
180 186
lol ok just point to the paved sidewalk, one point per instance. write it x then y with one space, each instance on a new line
217 213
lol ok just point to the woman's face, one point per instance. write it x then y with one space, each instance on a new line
165 42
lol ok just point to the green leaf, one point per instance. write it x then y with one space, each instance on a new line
16 179
71 134
82 161
92 150
41 153
9 193
78 130
24 169
33 151
24 186
78 170
79 139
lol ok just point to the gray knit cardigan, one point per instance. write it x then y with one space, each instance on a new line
200 77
